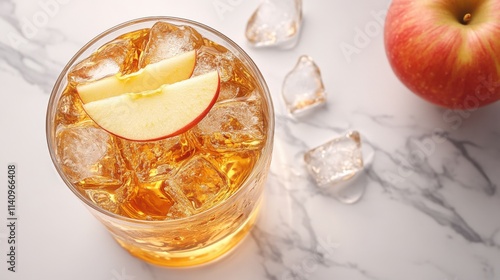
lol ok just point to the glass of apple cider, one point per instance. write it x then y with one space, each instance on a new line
176 196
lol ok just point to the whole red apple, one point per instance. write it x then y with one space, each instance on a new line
446 51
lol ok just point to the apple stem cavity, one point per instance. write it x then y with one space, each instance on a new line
466 19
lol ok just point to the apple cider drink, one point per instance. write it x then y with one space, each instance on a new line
163 127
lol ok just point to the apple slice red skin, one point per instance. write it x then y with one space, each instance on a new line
177 132
189 125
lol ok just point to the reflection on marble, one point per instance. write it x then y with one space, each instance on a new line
431 204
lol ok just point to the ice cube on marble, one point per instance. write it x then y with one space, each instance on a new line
303 88
336 161
275 23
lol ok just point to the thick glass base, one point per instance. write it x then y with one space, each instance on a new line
196 256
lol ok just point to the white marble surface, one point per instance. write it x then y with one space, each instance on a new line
431 206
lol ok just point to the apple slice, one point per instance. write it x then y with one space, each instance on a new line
152 76
153 115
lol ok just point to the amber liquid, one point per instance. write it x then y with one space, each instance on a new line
174 179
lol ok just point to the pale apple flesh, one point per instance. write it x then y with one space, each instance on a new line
150 77
446 51
161 113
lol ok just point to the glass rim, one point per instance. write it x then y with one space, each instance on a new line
266 153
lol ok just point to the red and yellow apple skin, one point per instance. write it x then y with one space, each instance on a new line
446 51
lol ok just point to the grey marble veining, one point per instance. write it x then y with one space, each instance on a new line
24 46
